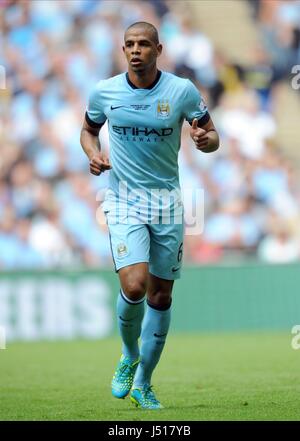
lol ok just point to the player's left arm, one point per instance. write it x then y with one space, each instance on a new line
195 111
205 136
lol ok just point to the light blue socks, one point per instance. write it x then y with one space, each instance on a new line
154 333
130 316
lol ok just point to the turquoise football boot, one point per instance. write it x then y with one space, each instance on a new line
123 377
144 398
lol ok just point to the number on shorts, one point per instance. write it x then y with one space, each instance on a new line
179 255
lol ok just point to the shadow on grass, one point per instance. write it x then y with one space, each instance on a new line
165 409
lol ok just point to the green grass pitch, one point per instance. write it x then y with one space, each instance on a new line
242 376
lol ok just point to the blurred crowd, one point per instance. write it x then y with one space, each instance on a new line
55 51
279 24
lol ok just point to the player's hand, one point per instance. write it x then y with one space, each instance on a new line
198 135
99 163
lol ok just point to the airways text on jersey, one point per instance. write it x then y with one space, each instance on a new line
140 134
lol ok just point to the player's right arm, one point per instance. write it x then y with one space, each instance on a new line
89 140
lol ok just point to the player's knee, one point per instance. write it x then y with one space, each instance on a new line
160 298
135 289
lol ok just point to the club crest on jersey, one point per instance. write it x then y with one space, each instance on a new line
163 109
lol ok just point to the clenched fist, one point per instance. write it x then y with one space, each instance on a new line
99 163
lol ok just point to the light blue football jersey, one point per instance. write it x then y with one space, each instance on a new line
145 128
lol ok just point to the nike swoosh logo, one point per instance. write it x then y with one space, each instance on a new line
159 335
125 320
115 107
175 269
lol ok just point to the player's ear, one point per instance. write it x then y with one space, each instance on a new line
159 49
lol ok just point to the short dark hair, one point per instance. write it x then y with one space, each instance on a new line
144 24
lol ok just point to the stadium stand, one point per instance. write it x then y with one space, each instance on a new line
53 53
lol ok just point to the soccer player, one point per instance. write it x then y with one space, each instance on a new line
145 109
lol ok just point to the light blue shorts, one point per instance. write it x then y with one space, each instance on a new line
160 245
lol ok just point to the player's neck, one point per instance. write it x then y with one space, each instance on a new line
142 80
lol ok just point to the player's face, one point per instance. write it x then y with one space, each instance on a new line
140 50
